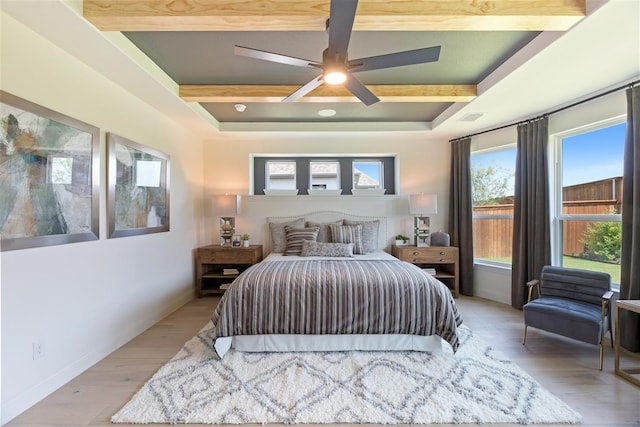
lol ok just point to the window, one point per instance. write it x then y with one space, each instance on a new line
281 175
324 175
303 172
367 174
589 198
492 183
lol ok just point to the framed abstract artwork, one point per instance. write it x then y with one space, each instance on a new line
49 176
138 199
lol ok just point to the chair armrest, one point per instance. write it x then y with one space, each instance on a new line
606 304
535 283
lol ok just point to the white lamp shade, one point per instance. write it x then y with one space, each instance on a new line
423 204
225 205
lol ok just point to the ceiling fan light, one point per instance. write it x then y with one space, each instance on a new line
334 77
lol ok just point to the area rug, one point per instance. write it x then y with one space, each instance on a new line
476 385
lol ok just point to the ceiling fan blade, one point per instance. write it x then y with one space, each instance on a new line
304 89
360 91
341 16
397 59
275 57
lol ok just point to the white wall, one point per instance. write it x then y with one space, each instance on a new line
84 300
423 167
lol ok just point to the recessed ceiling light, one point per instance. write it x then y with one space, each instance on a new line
327 112
240 107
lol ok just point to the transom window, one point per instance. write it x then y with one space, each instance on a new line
324 175
281 175
339 172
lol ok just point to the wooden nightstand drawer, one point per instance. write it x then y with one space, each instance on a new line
433 255
440 261
230 255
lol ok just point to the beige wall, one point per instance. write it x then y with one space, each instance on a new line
423 167
84 300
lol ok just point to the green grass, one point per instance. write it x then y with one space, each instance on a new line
581 263
585 264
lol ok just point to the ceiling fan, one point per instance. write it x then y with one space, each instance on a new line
336 67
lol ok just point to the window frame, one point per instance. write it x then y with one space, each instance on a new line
558 218
483 261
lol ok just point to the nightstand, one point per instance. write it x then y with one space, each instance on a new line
441 260
217 266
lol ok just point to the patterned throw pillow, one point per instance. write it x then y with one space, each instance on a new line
278 238
369 234
310 248
296 236
324 235
348 234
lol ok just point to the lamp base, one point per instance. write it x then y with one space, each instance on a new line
421 227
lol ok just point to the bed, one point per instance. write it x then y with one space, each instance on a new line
328 286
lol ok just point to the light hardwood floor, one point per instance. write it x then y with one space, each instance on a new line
568 368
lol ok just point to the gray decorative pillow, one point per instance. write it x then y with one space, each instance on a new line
278 237
369 234
348 234
296 236
325 234
310 248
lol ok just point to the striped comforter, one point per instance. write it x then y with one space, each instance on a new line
337 297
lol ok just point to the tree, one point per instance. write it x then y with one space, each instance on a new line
490 184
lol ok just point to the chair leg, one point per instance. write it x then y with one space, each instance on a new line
524 335
611 334
601 354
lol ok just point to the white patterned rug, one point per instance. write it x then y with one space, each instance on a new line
477 385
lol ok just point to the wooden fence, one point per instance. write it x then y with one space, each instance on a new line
493 237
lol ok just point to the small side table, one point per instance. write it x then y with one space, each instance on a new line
627 374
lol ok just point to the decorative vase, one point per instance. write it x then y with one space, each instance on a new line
245 243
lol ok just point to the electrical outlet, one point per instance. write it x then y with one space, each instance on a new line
38 349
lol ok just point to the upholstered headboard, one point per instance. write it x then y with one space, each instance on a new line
325 217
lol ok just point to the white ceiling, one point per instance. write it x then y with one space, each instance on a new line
555 69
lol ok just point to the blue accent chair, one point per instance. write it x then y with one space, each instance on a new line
572 303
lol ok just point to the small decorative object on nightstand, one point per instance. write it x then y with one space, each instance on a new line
440 239
217 266
226 206
422 204
440 262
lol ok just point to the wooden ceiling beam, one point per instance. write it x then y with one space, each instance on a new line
311 15
326 93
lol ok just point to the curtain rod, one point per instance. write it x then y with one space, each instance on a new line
575 104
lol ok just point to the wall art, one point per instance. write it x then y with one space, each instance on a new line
49 176
138 200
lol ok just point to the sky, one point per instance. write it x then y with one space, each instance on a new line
593 155
587 157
